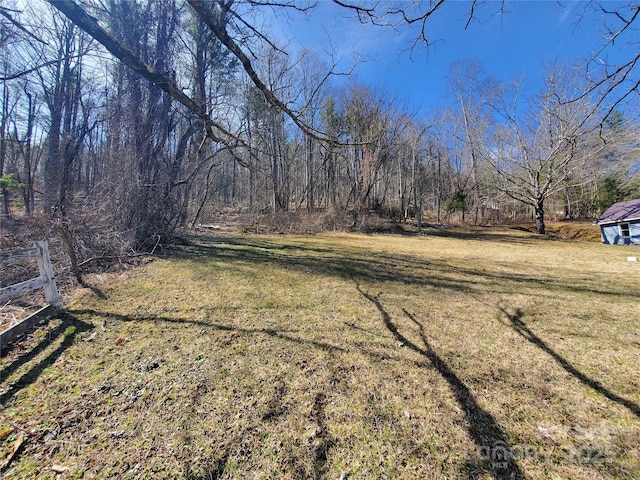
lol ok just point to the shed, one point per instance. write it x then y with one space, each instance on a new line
620 223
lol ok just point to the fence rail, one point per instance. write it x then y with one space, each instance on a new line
45 280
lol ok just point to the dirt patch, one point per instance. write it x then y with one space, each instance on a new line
580 231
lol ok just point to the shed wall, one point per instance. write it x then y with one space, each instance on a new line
611 234
634 231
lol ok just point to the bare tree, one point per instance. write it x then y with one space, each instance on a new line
373 127
311 71
471 93
62 84
415 142
23 135
332 123
534 158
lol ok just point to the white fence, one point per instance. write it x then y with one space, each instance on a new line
45 281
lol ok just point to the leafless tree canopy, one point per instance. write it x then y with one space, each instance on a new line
614 82
134 119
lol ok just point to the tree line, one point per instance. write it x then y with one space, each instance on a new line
147 116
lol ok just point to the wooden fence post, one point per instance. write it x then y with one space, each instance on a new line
46 281
46 270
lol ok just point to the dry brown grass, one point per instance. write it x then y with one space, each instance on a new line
569 230
380 356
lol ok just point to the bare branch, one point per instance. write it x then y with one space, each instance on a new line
613 83
5 12
90 25
217 26
13 76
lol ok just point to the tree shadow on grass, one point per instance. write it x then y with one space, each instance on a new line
348 263
96 291
491 234
493 449
281 334
216 326
322 441
518 325
70 327
365 266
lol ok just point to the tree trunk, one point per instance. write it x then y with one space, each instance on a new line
3 145
439 188
68 242
52 167
274 180
539 210
310 174
27 190
332 178
568 214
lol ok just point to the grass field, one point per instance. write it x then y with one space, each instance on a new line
474 354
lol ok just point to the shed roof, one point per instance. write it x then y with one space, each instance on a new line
620 212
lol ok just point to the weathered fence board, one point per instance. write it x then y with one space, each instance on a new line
19 255
19 289
45 280
25 325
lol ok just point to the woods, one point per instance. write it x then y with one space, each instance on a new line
139 118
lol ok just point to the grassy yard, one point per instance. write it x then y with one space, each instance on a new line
478 354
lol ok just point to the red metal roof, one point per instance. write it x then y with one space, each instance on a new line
621 211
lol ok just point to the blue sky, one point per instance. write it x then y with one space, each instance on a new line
516 43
